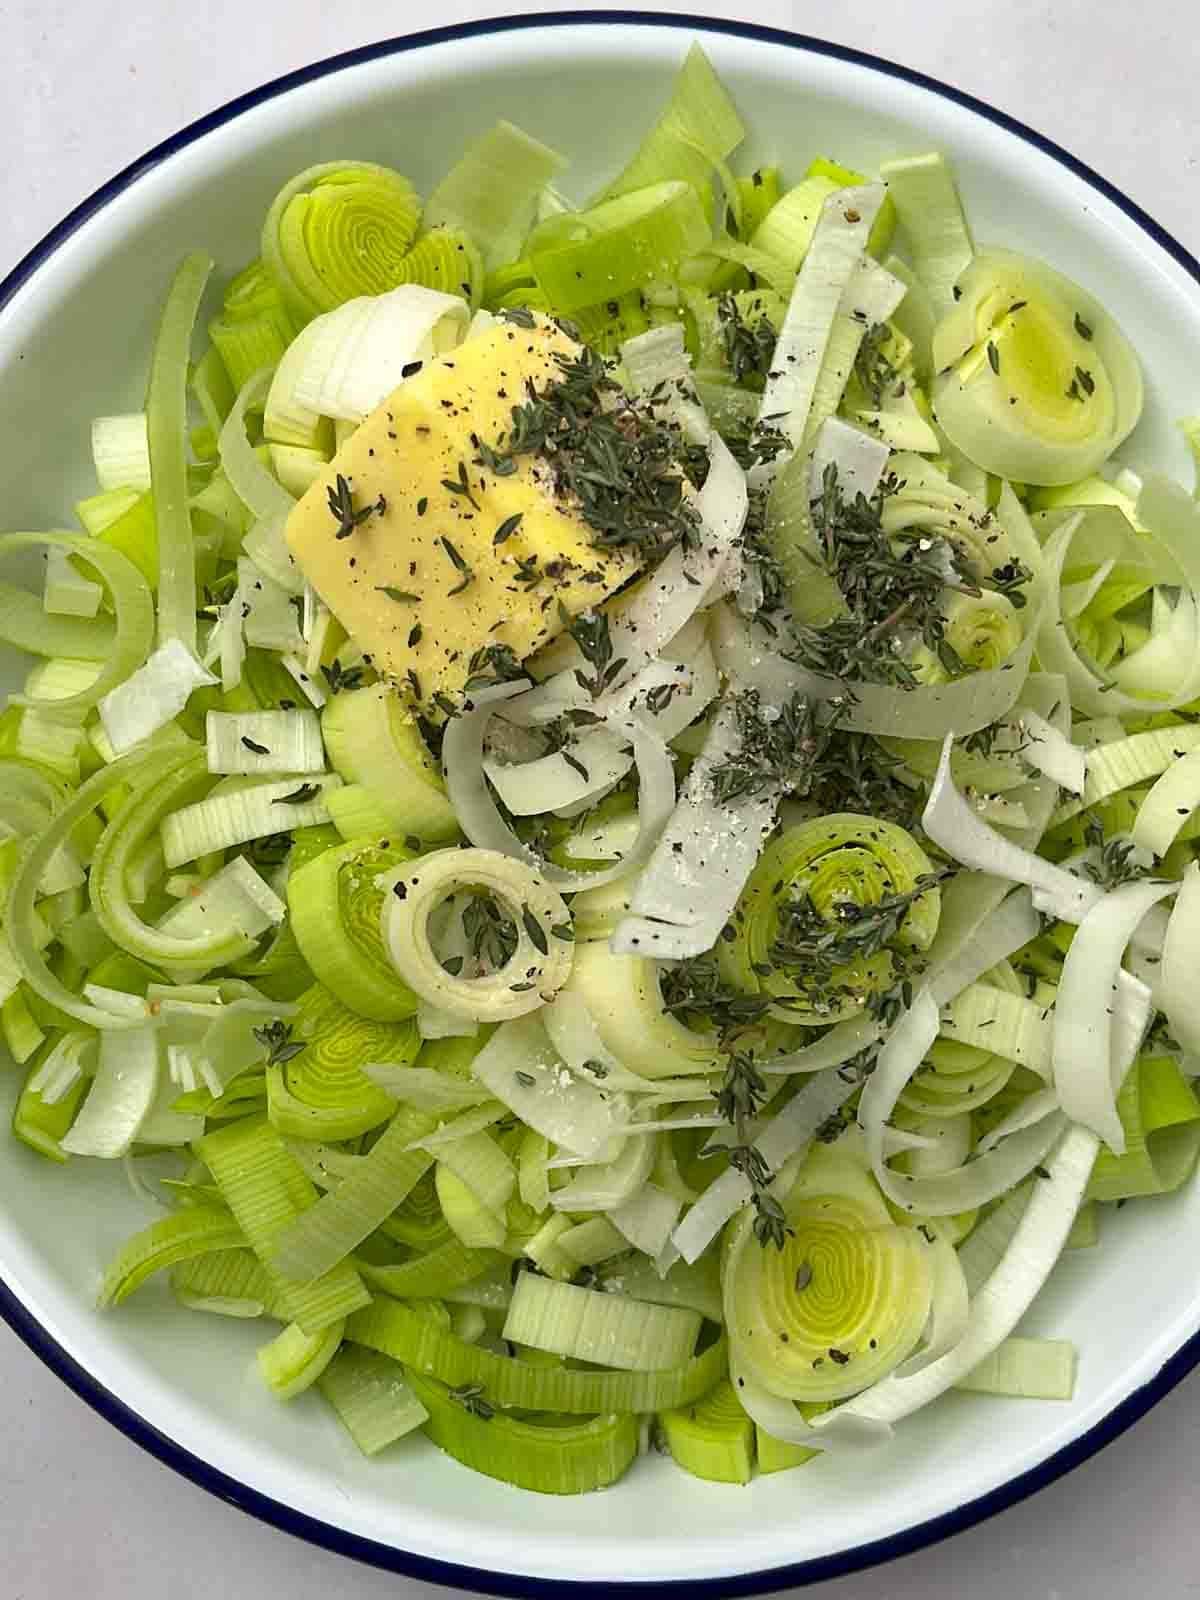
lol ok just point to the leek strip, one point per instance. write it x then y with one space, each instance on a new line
153 696
20 920
647 1218
194 1231
233 818
166 427
374 1402
320 1237
424 1088
1026 1369
491 190
698 128
253 483
1049 752
589 1243
618 245
124 649
950 822
524 1071
1178 992
833 1049
430 1276
79 638
477 1161
785 1136
1168 806
121 452
549 1458
1161 1117
227 1283
1003 1298
266 1189
998 935
294 1360
837 247
606 1185
121 1095
695 1285
462 753
397 1331
1087 1074
373 740
930 213
264 741
1008 1025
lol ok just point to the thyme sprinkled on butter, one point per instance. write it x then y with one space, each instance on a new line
459 563
345 514
338 677
461 486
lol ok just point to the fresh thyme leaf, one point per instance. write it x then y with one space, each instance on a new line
590 631
298 797
269 851
748 346
341 504
993 356
254 747
470 1397
770 1224
525 1079
621 464
338 677
276 1039
493 663
596 1068
537 934
508 527
1114 862
461 486
401 596
814 946
660 697
490 934
1082 328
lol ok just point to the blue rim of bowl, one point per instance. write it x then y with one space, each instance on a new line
338 1540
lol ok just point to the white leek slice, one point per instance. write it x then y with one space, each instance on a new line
366 348
994 938
1168 806
1004 1297
647 1218
492 189
266 545
541 959
833 1049
253 812
308 685
930 212
838 245
63 1066
424 1087
1052 753
699 867
152 696
1084 1063
605 1185
606 1329
121 451
264 741
1026 1369
785 1135
266 610
480 818
1178 988
235 900
253 483
951 822
523 1070
121 1095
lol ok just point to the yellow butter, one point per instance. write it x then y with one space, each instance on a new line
401 460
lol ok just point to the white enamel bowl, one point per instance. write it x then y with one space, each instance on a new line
75 326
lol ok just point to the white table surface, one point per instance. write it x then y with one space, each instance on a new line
88 86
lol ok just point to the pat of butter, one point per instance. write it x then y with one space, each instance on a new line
421 584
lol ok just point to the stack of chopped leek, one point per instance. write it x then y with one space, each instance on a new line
725 1018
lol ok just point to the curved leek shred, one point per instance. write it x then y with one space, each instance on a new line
336 903
129 643
476 1225
1028 1369
713 1439
429 1277
606 1329
339 230
326 1233
923 191
228 1283
698 129
372 1398
236 816
124 1090
166 427
621 994
397 1331
40 1118
618 245
294 1360
842 1303
551 1457
491 190
1160 1114
805 894
194 1231
541 958
265 1189
321 1092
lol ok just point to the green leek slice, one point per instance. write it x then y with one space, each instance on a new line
1027 1369
551 1457
712 1439
265 1189
397 1331
606 1329
1161 1117
321 1092
491 190
373 740
336 903
433 1275
194 1231
372 1398
294 1360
